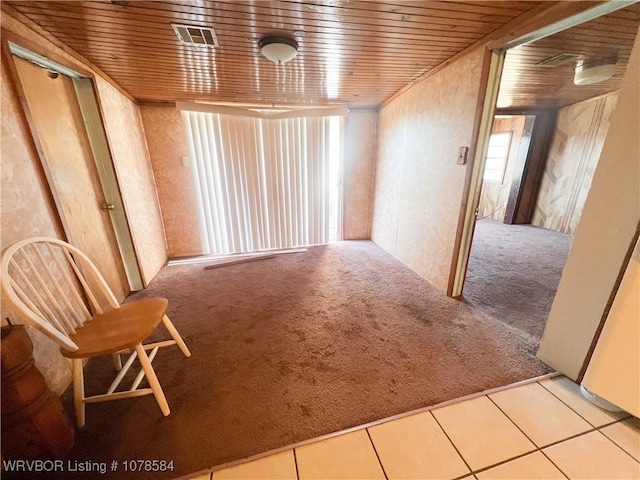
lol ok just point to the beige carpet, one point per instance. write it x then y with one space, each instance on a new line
290 348
514 272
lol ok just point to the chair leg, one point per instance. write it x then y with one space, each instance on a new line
176 336
153 380
117 362
78 391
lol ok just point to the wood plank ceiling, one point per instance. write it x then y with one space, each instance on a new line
526 84
357 53
350 52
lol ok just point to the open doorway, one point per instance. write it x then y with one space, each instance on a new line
547 134
514 268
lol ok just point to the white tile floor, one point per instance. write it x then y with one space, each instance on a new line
541 430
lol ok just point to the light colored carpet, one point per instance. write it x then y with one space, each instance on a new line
514 272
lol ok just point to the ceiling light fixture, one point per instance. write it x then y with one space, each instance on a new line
278 49
595 72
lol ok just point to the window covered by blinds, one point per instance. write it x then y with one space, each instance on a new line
497 157
265 183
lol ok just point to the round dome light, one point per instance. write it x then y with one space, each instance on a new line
594 73
278 49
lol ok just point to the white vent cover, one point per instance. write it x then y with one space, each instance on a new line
559 59
194 35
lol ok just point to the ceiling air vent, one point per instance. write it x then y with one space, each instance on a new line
193 35
560 59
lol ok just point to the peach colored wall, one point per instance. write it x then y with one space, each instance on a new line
27 210
419 186
166 140
494 196
123 126
359 158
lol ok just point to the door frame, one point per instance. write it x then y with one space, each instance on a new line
471 196
113 204
101 153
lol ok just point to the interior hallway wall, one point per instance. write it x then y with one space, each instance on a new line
166 139
419 186
27 207
575 149
494 196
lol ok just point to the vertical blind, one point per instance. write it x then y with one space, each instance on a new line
265 183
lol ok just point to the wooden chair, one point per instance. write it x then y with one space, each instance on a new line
58 289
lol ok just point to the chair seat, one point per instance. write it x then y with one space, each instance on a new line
117 329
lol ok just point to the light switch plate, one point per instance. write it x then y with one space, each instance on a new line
462 155
185 160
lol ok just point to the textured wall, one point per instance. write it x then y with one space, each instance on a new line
577 142
419 186
494 196
27 210
124 130
166 140
359 158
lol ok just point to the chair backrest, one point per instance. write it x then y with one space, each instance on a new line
54 286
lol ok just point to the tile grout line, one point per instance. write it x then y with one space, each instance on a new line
592 429
578 413
514 423
540 449
454 445
517 457
565 403
571 437
620 420
536 448
295 461
616 444
554 464
595 427
384 472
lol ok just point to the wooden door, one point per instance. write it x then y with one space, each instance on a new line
70 168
